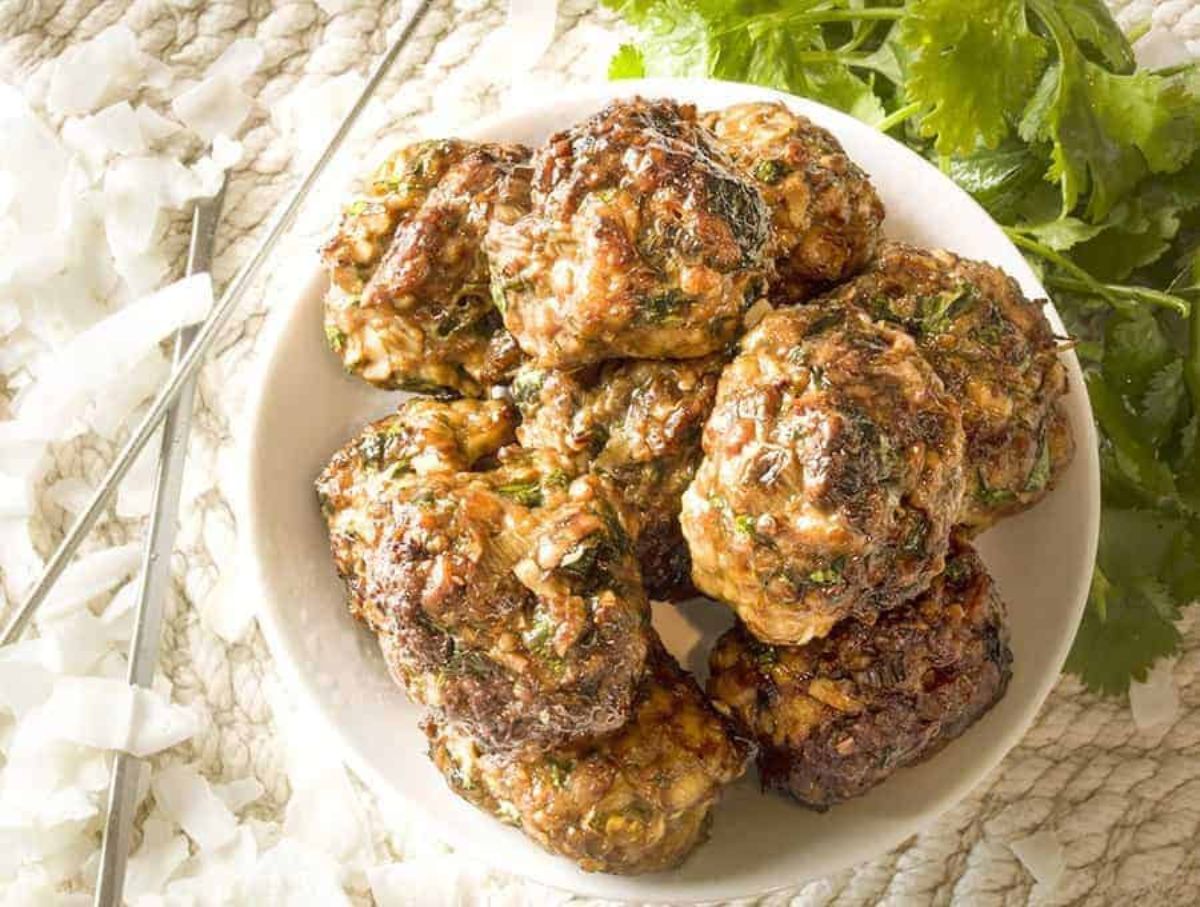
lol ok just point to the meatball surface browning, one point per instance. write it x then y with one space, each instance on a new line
508 598
825 215
996 353
636 800
643 241
410 304
637 423
832 474
837 716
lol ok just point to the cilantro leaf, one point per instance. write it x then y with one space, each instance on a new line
1063 232
768 42
1140 228
1135 348
1163 402
1092 24
1122 645
1108 130
1007 181
627 63
975 63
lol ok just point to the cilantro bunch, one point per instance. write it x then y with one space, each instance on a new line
1036 108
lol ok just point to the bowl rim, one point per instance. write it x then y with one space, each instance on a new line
254 582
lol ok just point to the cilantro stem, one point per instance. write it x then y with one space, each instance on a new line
853 15
814 17
1191 360
1022 241
1130 291
1139 29
896 117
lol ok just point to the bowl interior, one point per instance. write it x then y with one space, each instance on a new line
305 408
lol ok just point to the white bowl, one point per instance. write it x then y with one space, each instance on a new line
306 408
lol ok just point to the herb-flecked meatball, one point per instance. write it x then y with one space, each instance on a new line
643 241
996 353
409 304
832 473
637 800
825 215
508 598
837 716
423 436
637 423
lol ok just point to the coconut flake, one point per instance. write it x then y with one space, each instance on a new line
213 876
72 494
108 67
32 153
89 576
115 130
213 106
223 610
16 495
136 493
1042 855
184 796
239 794
101 354
441 880
1155 701
291 873
107 413
107 713
74 644
25 683
226 152
155 861
155 127
240 60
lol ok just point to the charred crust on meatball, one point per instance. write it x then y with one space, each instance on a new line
839 715
643 241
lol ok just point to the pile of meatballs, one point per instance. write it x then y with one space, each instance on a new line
667 353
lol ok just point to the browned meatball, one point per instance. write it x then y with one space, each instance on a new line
423 436
409 304
825 215
832 474
996 353
837 716
636 800
643 242
637 423
508 598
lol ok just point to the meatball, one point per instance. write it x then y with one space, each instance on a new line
643 241
636 800
825 215
837 716
507 597
832 473
422 436
996 353
637 423
409 304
